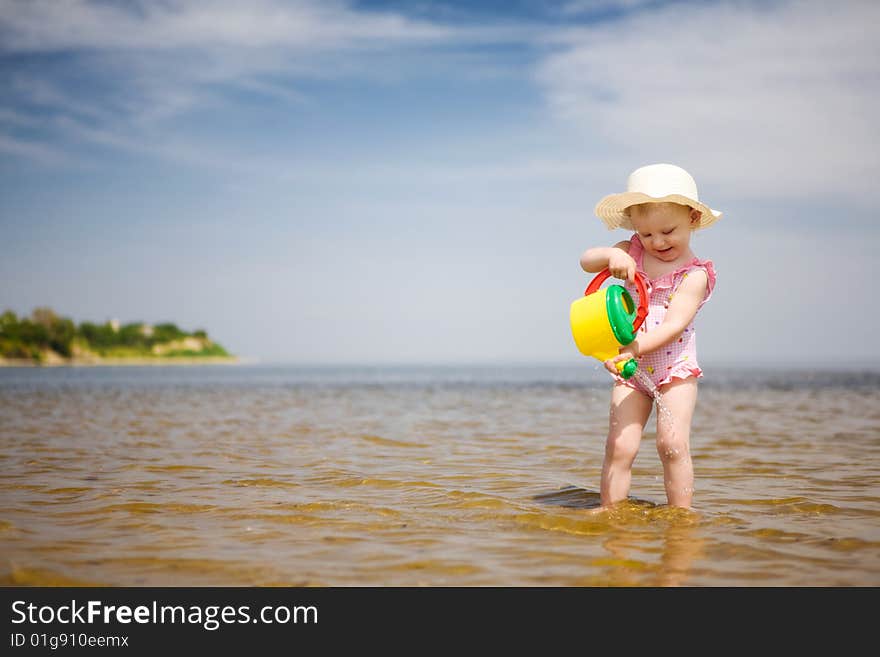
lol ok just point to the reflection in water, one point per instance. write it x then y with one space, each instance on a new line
635 532
683 548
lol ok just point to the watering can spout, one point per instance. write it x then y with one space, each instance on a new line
629 368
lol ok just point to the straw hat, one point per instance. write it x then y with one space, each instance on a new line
655 183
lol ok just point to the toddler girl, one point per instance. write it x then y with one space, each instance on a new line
662 206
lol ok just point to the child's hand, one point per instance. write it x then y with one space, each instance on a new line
621 265
627 352
611 363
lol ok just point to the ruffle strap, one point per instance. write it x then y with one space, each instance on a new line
667 281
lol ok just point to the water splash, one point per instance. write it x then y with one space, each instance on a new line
664 415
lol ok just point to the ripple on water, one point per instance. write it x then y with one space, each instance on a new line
266 482
787 506
388 442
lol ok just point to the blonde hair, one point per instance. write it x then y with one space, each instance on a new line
627 209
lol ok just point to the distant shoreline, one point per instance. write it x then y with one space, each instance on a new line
121 362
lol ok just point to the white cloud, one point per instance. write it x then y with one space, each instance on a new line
12 117
579 7
764 101
31 150
159 59
155 61
49 25
758 101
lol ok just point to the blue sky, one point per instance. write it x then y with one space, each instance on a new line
402 182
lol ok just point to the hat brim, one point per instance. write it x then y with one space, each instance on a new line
611 208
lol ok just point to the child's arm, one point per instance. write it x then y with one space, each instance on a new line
680 313
616 258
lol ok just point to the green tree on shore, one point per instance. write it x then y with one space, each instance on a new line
44 332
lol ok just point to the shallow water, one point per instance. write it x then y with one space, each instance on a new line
259 475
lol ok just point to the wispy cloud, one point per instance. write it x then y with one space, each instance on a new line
776 100
594 7
34 151
763 100
48 25
11 117
159 59
130 68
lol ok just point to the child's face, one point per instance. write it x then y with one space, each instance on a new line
664 228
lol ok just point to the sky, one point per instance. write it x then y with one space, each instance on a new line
400 182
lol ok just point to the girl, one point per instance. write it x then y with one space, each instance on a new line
662 206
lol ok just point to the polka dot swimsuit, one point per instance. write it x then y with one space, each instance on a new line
678 359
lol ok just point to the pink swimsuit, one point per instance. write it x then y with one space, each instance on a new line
678 359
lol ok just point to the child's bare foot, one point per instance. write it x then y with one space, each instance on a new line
599 510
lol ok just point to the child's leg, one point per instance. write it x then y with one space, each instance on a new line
629 412
673 440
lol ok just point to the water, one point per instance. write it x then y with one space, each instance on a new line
662 409
471 476
666 423
665 414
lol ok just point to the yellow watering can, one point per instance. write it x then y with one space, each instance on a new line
604 320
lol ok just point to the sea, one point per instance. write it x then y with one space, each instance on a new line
464 476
